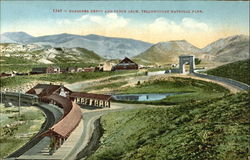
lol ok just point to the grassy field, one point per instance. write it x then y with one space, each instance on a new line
105 86
114 83
216 129
15 131
66 77
22 65
194 90
238 71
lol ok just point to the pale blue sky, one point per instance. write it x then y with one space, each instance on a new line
36 18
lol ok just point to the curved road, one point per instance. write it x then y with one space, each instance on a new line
89 116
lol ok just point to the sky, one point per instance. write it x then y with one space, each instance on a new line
198 22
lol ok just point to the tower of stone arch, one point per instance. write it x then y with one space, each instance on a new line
186 59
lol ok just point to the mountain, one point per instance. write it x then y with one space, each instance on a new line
5 39
49 55
107 47
169 52
19 37
230 49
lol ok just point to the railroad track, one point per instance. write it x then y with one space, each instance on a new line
52 114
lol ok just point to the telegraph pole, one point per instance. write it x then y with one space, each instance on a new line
19 102
1 97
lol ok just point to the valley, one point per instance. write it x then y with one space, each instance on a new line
67 48
201 119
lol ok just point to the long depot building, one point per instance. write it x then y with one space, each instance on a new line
68 100
89 99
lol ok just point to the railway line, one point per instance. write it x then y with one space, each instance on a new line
84 128
55 130
52 116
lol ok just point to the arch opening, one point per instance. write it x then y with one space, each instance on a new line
187 64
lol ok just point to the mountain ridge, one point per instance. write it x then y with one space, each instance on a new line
169 52
229 49
107 47
224 50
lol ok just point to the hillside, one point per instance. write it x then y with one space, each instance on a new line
169 52
222 51
237 70
107 47
49 55
230 49
217 129
18 37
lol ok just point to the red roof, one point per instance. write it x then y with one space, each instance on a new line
45 89
63 102
65 126
72 117
90 95
126 60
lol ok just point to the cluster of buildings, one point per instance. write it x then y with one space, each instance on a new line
125 64
69 101
56 69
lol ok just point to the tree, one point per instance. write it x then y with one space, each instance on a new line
197 61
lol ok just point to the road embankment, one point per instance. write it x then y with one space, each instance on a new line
93 144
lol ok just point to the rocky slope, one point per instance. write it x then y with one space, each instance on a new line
169 52
229 49
49 55
224 50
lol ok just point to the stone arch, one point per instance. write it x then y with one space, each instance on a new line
184 59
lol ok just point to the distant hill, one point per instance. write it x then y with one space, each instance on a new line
222 51
49 55
5 39
169 52
229 49
18 37
237 70
107 47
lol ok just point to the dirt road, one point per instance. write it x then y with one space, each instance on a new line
91 115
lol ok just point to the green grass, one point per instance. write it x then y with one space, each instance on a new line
15 60
16 135
16 81
65 77
216 129
112 79
108 85
9 64
18 64
195 90
89 54
237 70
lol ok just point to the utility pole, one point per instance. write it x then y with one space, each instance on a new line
19 103
1 97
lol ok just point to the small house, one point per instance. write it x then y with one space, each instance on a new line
91 69
105 67
126 64
42 70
